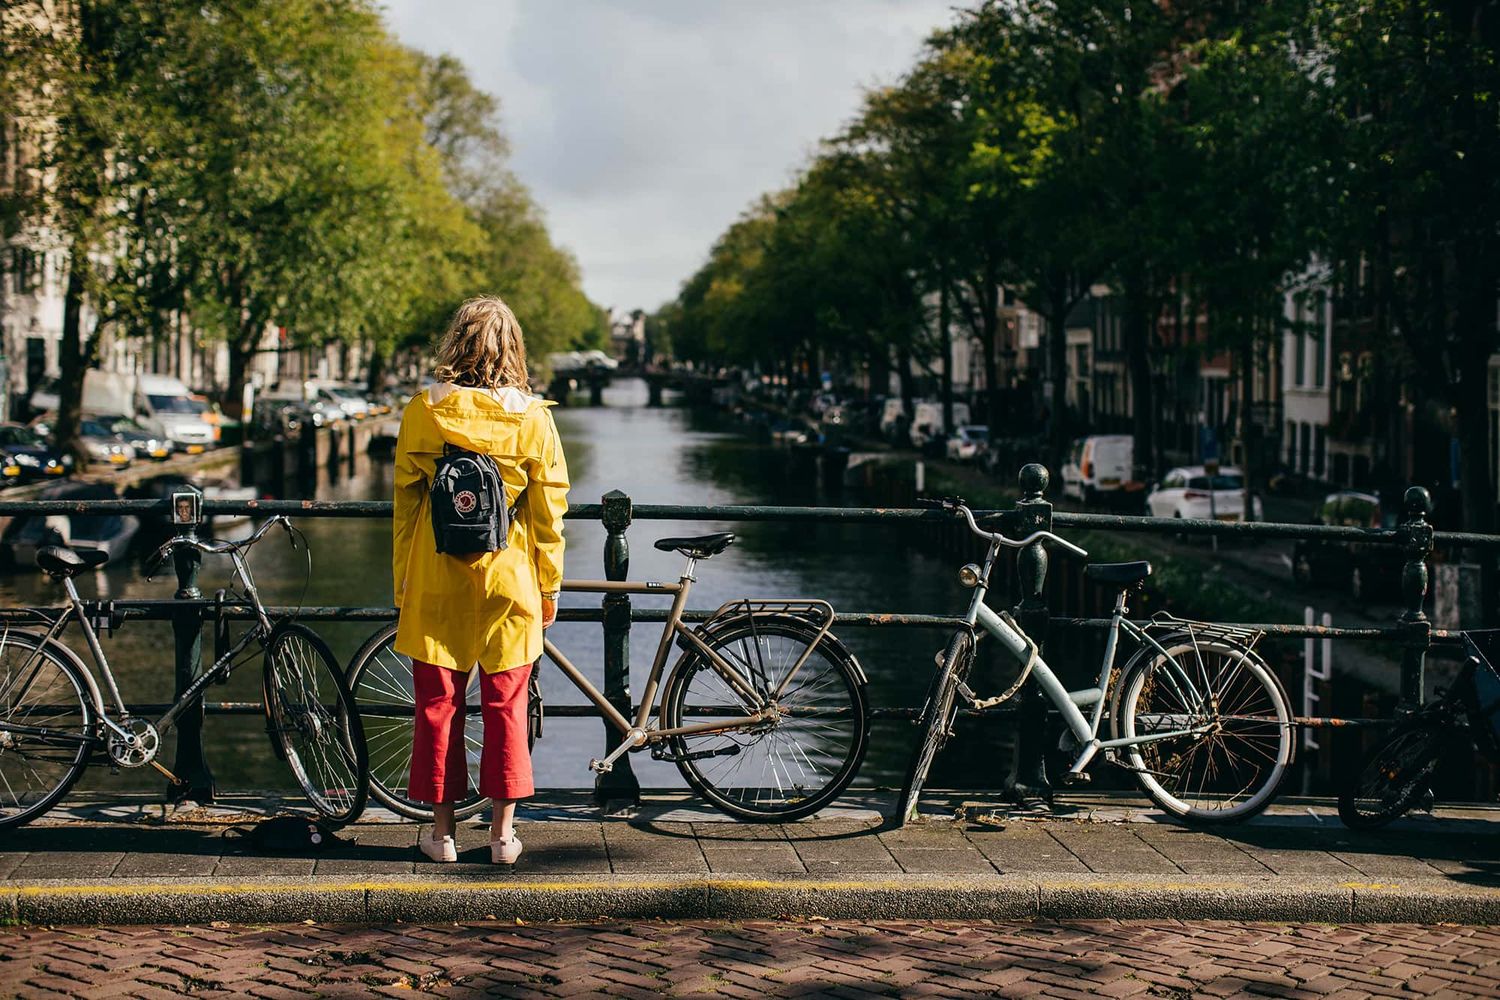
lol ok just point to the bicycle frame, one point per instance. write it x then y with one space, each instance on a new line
1071 704
643 729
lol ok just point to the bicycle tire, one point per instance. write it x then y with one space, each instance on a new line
1255 728
1395 775
938 711
380 681
845 691
70 767
313 722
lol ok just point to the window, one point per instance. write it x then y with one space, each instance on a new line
1306 431
1291 445
1320 445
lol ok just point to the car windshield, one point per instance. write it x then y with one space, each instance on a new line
1216 483
20 435
977 433
175 404
93 428
123 425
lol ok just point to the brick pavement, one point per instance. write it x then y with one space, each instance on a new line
756 959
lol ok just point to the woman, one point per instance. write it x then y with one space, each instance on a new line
488 610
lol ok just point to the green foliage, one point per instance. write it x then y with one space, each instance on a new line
259 163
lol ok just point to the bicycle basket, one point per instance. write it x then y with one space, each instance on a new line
1481 691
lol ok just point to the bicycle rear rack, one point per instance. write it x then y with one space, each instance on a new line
1166 621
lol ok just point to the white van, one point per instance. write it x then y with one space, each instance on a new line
928 421
165 406
1101 464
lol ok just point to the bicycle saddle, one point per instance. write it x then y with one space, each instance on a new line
1121 574
59 560
698 546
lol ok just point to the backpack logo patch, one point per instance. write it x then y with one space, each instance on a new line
465 501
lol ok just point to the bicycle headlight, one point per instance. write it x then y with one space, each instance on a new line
969 576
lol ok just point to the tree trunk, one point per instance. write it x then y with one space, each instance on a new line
945 341
375 381
903 374
1248 464
1138 321
241 350
71 361
1057 349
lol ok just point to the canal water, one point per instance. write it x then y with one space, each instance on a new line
657 455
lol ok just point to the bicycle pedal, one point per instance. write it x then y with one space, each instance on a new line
600 767
1081 778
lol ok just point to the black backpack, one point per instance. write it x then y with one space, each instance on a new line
469 513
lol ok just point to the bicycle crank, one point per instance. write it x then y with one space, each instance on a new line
136 746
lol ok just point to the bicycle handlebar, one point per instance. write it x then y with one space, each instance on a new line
213 546
957 504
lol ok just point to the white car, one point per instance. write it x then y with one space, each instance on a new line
1099 465
1189 491
969 442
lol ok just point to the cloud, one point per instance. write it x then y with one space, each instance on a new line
644 127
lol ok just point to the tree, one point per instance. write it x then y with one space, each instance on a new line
1412 86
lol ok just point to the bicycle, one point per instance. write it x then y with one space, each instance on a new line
764 713
54 722
1195 713
1396 777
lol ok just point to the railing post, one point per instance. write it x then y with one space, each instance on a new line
190 764
1416 541
1028 770
618 784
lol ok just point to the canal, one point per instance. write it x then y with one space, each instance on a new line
657 455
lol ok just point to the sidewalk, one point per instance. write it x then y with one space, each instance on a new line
122 861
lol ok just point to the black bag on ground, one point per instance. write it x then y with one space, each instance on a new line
467 497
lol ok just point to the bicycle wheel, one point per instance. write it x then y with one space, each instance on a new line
1231 764
312 722
1396 775
937 714
780 770
48 725
381 682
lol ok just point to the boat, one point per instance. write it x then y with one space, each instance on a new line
107 533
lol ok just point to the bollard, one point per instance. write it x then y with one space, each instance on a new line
1028 768
619 784
653 391
190 764
1416 540
596 389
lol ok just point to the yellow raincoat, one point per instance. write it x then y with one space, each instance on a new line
460 610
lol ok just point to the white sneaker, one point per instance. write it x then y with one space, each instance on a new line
505 852
442 849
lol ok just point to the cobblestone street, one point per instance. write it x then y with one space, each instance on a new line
757 959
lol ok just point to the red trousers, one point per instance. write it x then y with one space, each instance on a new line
439 764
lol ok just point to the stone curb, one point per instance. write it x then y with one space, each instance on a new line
417 900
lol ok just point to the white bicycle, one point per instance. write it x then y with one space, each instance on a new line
1195 713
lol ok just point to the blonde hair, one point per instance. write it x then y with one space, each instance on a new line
482 347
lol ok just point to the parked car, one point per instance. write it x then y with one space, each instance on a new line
25 456
1189 491
152 446
167 408
340 400
969 443
1098 465
103 445
927 422
1365 568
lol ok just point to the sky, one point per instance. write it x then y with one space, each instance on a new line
645 127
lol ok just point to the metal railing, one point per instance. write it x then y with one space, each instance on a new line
189 610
